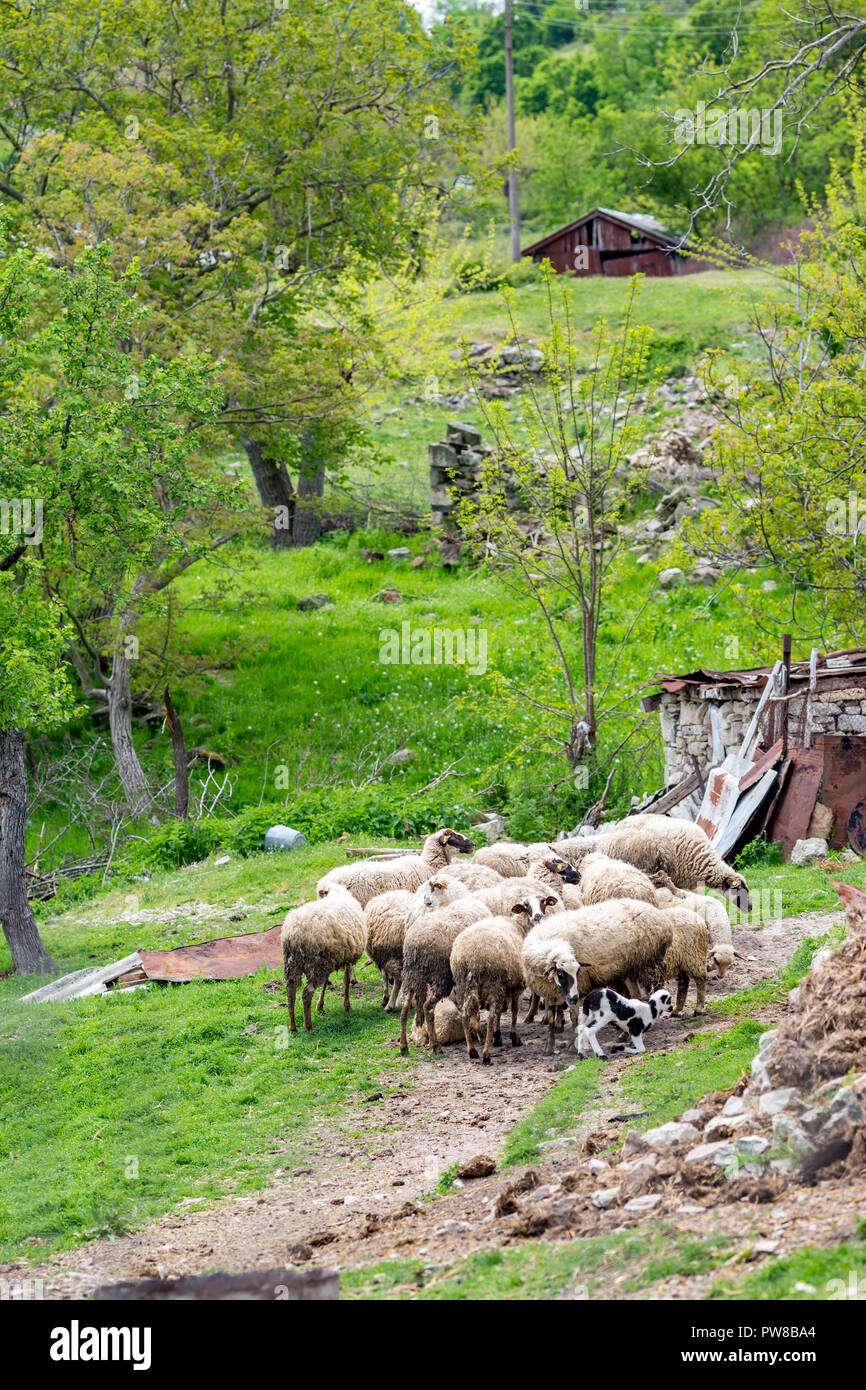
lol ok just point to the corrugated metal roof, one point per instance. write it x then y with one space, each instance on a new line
835 665
638 221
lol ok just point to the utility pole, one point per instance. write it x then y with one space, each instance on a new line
513 205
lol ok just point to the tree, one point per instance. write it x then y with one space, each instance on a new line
100 476
253 157
545 516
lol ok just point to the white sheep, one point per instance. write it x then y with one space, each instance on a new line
487 969
509 858
618 942
317 939
720 953
506 895
679 849
367 878
385 919
603 878
474 875
427 977
686 957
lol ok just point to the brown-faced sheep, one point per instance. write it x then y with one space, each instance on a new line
678 848
385 920
487 969
367 878
317 939
539 898
618 941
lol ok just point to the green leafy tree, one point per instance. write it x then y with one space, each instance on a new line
99 479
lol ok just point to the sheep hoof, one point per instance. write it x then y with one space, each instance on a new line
515 1040
486 1062
473 1053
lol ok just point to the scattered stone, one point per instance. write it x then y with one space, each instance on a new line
299 1253
649 1202
638 1179
634 1143
400 552
223 859
671 578
606 1197
808 852
314 601
665 1136
772 1102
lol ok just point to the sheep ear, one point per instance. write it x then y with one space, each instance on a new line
550 902
518 907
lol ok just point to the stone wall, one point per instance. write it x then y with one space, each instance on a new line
455 468
839 708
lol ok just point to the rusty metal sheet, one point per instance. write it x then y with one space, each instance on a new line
225 958
790 820
764 763
722 792
844 778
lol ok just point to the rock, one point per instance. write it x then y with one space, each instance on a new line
223 859
671 578
638 1179
721 1151
692 1117
597 1166
491 827
648 1202
634 1143
787 1131
400 552
606 1197
769 586
820 957
459 433
821 824
481 1166
808 852
283 837
734 1105
299 1254
772 1102
560 1145
311 601
722 1126
704 574
664 1136
751 1145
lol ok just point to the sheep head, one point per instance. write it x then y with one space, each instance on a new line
450 840
720 958
661 1003
736 890
566 871
564 970
335 892
534 907
440 890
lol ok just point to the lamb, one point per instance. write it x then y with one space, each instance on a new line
385 920
686 957
633 1016
317 939
721 953
436 892
449 1025
367 878
487 969
427 974
678 848
603 878
618 941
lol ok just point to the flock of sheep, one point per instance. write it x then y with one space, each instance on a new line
617 911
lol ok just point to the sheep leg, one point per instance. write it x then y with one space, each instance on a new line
701 993
389 1006
320 1007
588 1033
347 980
469 1016
534 1002
492 1029
307 1000
682 991
549 1047
430 1019
515 1005
291 995
404 1017
385 989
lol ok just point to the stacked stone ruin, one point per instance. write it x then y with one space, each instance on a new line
455 469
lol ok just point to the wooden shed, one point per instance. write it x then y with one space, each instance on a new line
605 242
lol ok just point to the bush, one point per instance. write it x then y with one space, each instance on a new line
759 852
319 813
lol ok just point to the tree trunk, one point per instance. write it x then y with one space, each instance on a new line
311 488
179 758
19 926
275 490
132 777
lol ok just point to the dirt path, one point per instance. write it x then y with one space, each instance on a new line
384 1154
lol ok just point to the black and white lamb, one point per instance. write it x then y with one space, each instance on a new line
634 1017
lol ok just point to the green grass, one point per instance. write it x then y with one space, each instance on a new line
781 890
556 1114
541 1271
113 1109
666 1084
774 990
835 1272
